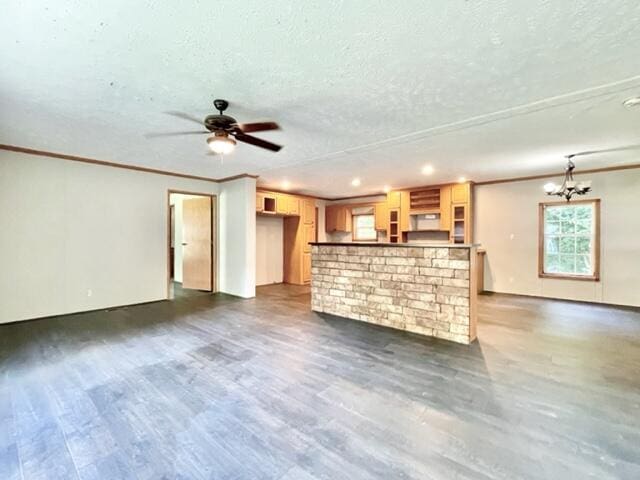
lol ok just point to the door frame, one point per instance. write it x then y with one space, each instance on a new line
214 237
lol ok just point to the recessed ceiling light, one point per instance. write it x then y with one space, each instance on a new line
355 182
286 185
632 102
386 189
427 170
462 179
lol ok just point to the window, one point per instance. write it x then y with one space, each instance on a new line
364 227
570 240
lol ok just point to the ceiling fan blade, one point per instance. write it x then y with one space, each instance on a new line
258 142
185 116
258 126
174 134
606 150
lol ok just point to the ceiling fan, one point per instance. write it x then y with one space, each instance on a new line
225 130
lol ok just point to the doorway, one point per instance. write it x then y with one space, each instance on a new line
191 244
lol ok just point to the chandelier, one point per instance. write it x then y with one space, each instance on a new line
569 187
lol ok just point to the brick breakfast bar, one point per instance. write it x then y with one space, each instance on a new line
428 289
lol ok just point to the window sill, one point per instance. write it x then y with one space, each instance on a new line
566 276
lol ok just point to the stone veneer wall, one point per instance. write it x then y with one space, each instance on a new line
426 290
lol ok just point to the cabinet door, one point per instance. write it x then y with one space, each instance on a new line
309 210
460 193
445 208
259 202
393 200
459 223
293 206
309 236
330 219
282 204
381 216
405 206
306 267
343 219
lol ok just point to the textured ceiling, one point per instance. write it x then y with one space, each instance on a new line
375 90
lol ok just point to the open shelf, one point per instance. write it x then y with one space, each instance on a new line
428 199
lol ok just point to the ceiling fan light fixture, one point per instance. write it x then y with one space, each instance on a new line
221 143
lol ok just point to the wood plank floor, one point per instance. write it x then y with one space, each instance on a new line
215 387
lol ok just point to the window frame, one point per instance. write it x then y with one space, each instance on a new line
596 238
354 229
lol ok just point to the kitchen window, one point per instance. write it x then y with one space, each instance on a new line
364 228
569 240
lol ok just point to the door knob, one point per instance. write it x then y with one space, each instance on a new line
184 244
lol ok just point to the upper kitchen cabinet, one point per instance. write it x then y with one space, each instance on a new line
275 203
460 193
337 218
381 216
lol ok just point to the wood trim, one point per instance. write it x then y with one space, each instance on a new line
236 177
104 163
596 269
287 192
214 237
559 174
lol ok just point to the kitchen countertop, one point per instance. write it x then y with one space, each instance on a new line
400 245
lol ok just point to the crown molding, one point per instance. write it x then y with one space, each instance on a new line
104 163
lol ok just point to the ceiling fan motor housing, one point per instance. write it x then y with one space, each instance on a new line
219 122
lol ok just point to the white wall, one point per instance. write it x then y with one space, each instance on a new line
237 243
269 250
69 227
506 224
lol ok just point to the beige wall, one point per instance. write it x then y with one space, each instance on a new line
76 236
506 224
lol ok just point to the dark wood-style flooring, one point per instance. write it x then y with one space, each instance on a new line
215 387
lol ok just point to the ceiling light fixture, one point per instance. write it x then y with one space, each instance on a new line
286 185
427 170
462 179
569 186
632 102
221 143
386 189
355 182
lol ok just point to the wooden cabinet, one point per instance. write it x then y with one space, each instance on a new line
405 211
266 203
381 216
282 204
259 202
306 268
293 206
393 200
299 231
445 208
393 231
460 228
460 193
337 218
277 203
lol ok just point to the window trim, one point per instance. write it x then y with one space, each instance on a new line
354 230
596 254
